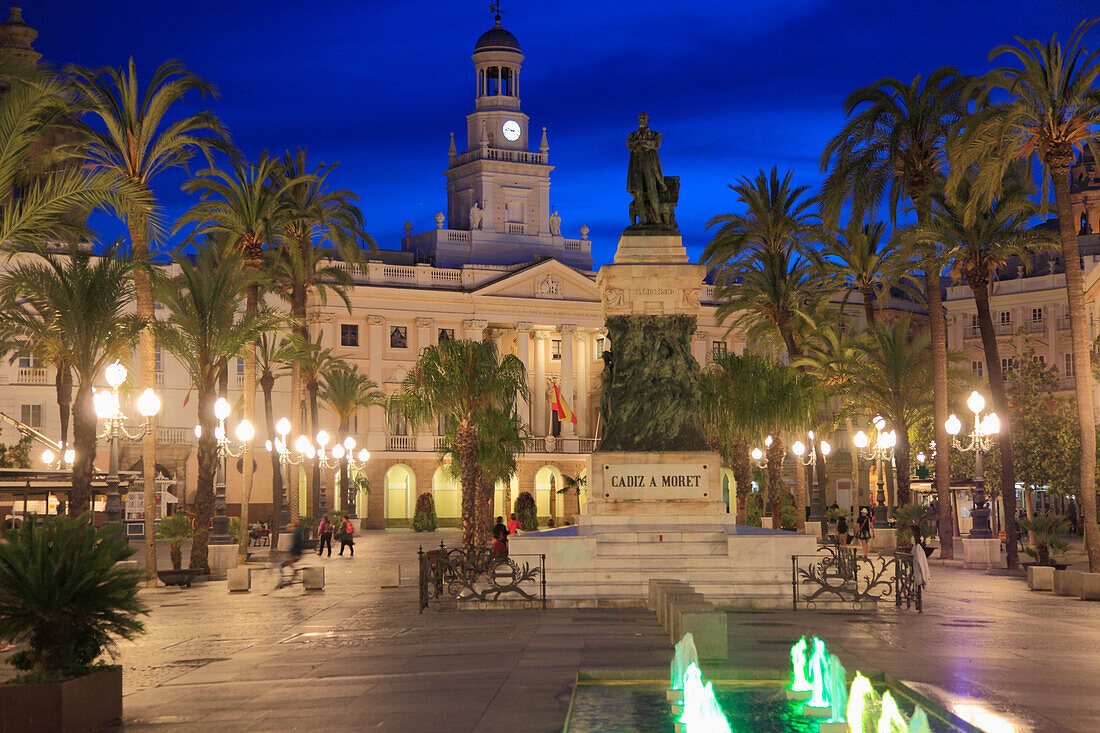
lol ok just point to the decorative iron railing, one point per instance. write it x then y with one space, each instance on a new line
839 574
453 574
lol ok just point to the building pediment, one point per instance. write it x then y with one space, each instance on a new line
549 280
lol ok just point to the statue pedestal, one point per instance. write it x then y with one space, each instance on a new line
651 276
649 483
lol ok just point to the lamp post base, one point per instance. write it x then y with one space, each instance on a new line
980 529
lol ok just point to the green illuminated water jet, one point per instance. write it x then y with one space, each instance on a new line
799 683
684 656
891 720
818 665
702 713
861 704
836 691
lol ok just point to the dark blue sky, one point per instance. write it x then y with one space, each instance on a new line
734 86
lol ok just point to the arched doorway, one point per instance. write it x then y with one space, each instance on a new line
504 497
448 495
547 484
400 489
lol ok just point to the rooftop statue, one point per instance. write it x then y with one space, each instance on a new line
654 194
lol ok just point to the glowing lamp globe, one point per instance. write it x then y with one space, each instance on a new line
338 451
106 404
322 438
768 441
48 456
245 431
219 433
115 374
826 449
148 404
267 445
860 439
222 408
302 444
975 402
920 457
798 448
70 456
311 452
282 427
364 455
757 454
198 431
953 425
349 444
879 422
991 424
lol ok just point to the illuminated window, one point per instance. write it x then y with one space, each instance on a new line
399 339
349 334
976 367
446 334
555 349
1069 371
31 415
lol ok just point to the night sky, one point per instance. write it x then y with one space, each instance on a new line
734 86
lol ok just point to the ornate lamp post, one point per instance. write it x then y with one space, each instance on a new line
342 456
286 458
219 535
59 461
981 440
108 408
800 449
881 449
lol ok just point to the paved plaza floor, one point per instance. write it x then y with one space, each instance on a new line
358 657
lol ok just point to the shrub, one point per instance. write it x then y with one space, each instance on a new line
788 516
424 517
754 509
176 529
308 525
1043 529
834 513
526 512
235 528
908 515
63 593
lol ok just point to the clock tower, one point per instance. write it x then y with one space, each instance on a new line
498 184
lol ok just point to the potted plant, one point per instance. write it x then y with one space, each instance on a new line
909 515
526 512
176 529
309 529
424 519
832 515
1044 529
64 593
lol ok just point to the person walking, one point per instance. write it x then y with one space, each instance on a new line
513 523
500 539
347 538
842 530
865 530
324 533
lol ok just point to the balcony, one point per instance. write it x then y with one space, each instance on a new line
175 436
160 378
1004 329
1069 382
31 375
439 443
1038 326
1063 323
403 443
972 332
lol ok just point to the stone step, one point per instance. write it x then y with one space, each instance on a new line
667 520
666 563
660 549
663 537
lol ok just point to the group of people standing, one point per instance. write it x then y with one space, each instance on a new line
344 531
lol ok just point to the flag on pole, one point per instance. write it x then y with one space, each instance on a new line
560 406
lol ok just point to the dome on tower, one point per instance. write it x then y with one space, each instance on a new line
16 38
497 39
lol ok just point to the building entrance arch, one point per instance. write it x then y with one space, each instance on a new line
448 494
547 484
400 488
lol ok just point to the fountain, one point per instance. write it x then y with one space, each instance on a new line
861 705
799 689
836 691
818 704
702 713
684 656
891 720
919 722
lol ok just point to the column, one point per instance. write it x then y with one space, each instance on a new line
423 334
584 361
376 415
699 347
568 331
538 394
523 351
474 329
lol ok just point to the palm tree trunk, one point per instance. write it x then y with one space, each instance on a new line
902 464
293 494
63 385
345 487
980 288
801 498
938 329
742 476
484 509
1079 330
267 383
822 469
204 488
868 306
248 395
84 425
143 294
466 448
313 492
775 455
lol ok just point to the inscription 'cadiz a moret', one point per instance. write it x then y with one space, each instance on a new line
637 481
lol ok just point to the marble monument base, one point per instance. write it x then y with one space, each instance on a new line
661 515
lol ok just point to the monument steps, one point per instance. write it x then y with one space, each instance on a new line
688 562
660 550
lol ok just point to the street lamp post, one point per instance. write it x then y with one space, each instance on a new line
340 456
286 458
879 450
109 409
810 461
981 440
219 534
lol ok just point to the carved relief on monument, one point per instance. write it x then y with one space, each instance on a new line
548 287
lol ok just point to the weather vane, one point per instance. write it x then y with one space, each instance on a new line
494 7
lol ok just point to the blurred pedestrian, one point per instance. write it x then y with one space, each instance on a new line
324 534
347 537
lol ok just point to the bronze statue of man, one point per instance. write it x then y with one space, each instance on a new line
644 180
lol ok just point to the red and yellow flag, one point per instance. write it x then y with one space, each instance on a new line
560 406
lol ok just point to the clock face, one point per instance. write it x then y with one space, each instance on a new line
511 130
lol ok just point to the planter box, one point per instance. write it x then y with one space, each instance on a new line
86 703
1090 586
1040 577
177 577
1067 582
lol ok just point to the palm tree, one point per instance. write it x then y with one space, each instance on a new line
302 268
460 382
247 206
346 392
203 331
888 372
894 146
312 360
980 247
272 356
766 275
866 263
1051 113
83 302
129 135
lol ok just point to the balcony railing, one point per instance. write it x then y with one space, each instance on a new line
972 332
1004 329
1063 323
439 443
1037 326
401 443
31 375
586 445
178 436
160 378
1069 382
